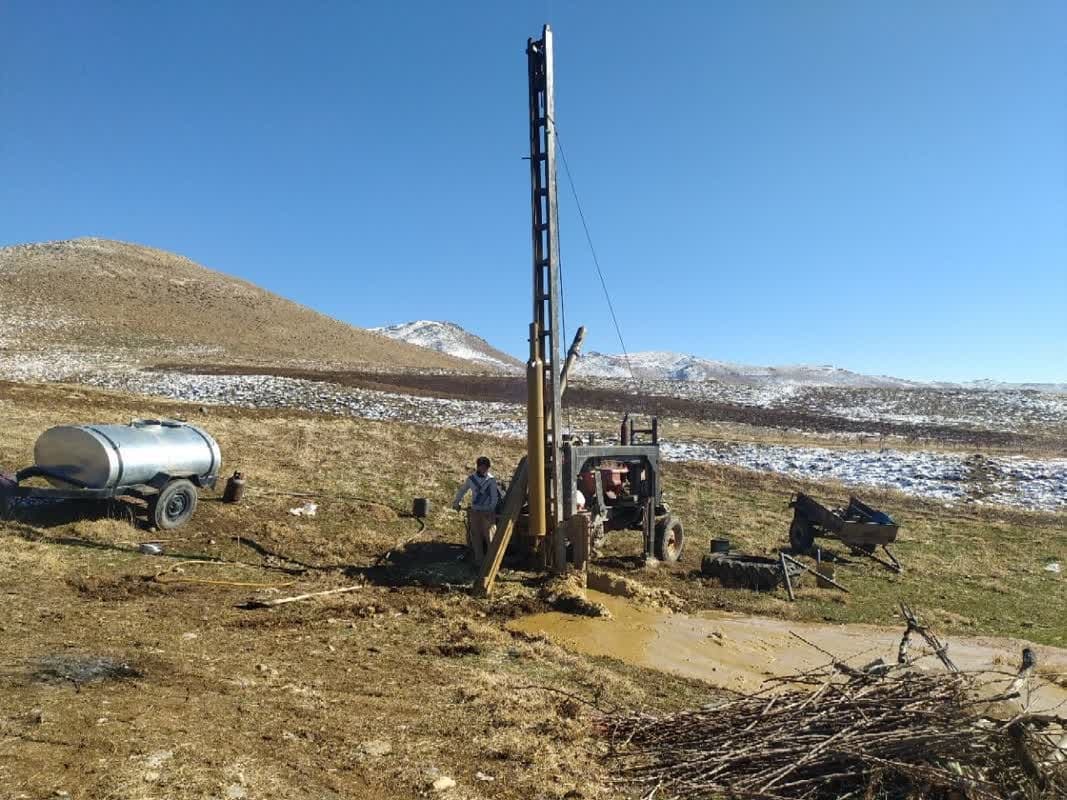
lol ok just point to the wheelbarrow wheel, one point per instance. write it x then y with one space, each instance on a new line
801 536
670 539
174 505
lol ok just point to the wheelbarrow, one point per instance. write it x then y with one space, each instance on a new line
863 528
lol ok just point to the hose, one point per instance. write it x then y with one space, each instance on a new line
159 577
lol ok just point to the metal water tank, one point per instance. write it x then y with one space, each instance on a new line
105 456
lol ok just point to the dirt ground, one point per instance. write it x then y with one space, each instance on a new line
137 676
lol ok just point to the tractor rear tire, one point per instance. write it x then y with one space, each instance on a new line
173 506
670 539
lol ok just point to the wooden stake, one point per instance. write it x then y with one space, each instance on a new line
577 528
785 575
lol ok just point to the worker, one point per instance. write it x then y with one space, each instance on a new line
485 495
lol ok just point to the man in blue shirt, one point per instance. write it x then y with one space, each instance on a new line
485 495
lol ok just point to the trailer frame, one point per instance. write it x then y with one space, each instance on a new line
171 498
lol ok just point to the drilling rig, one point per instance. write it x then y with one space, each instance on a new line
620 482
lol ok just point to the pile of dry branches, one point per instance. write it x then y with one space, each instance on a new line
881 732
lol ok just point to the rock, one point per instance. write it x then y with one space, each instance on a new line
151 776
157 759
376 748
235 791
483 777
443 784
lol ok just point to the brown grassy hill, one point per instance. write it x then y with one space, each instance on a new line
102 295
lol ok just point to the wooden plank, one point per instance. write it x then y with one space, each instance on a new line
576 529
504 528
296 598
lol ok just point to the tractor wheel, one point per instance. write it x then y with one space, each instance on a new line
801 536
670 539
173 506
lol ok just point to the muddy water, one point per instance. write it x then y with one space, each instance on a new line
740 652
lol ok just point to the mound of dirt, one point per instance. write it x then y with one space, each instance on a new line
621 586
567 593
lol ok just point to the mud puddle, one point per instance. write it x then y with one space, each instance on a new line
741 652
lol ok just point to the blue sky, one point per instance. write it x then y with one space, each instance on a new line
882 186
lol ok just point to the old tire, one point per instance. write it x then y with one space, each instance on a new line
801 536
747 572
174 504
670 539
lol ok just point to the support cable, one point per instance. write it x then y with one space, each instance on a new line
592 250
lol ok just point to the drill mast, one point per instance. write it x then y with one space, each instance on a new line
545 367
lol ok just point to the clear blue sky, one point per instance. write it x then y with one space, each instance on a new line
882 186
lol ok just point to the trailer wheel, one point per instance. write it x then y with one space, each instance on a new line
670 539
801 536
174 504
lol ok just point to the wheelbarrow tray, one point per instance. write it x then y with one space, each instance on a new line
857 524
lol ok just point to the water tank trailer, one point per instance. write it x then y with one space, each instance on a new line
161 461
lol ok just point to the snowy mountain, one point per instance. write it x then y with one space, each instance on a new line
990 385
680 367
451 339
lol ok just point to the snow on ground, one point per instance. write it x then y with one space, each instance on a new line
269 391
55 364
1011 410
938 475
1012 481
1020 482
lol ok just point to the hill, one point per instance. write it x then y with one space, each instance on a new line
450 338
92 299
